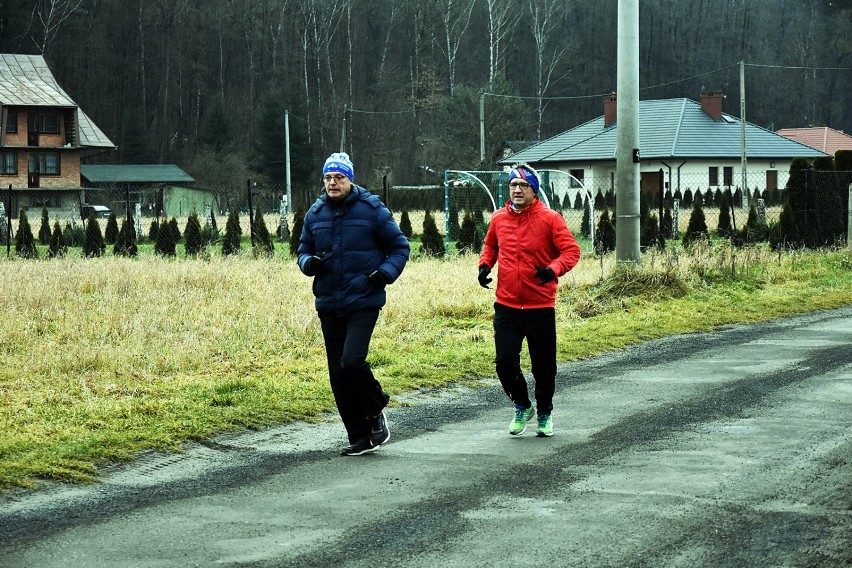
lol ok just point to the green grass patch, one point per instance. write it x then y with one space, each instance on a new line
106 358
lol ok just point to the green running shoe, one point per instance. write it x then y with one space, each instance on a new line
545 426
522 416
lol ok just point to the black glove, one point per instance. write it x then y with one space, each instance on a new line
544 275
313 266
484 280
378 279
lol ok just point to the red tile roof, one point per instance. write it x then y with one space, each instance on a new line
826 139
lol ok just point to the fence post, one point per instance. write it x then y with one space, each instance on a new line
250 212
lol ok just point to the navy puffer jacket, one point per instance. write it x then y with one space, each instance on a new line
354 238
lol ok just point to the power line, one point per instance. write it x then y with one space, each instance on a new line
809 68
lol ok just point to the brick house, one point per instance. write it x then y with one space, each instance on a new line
43 137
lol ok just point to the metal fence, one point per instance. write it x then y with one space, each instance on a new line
820 204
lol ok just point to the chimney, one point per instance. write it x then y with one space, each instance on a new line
711 103
610 110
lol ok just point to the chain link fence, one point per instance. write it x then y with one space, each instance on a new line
818 201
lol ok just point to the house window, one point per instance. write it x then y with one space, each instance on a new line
44 123
9 163
45 164
49 123
578 174
714 175
11 120
728 174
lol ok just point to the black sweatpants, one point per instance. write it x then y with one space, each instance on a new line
538 326
357 393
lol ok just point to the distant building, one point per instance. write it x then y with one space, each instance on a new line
157 187
696 145
824 139
43 137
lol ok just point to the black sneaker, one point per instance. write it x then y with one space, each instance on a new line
359 448
379 431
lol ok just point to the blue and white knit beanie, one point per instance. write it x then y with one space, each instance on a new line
527 174
339 162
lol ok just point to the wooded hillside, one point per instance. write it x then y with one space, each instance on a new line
205 83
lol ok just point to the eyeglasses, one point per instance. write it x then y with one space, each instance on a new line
521 184
338 178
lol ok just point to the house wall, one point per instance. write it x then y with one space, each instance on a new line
69 156
691 174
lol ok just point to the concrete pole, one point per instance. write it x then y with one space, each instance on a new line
627 123
743 147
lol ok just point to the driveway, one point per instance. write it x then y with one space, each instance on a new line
730 448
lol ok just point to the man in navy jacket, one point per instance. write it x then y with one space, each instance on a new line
353 248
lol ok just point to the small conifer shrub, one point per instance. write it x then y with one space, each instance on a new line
44 230
470 241
165 244
262 239
405 225
192 238
295 236
696 230
93 240
233 234
432 243
111 231
605 234
24 241
57 246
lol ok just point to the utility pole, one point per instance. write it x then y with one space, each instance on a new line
743 160
627 146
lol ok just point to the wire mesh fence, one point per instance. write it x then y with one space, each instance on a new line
818 202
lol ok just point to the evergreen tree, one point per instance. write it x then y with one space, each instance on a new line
233 234
455 227
797 199
432 243
723 229
788 231
470 241
296 235
696 230
578 201
57 246
44 230
605 234
93 241
263 241
165 245
24 241
192 243
125 241
668 224
111 231
173 226
649 235
405 225
153 230
586 225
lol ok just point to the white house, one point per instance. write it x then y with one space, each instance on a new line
696 145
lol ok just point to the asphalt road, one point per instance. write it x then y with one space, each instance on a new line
731 448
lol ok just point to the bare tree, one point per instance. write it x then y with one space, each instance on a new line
48 16
502 17
548 53
455 16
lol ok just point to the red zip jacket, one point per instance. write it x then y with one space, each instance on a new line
521 240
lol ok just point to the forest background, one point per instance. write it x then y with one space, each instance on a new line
397 84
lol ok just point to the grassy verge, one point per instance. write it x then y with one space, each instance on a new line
104 358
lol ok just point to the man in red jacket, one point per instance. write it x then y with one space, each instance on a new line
533 246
